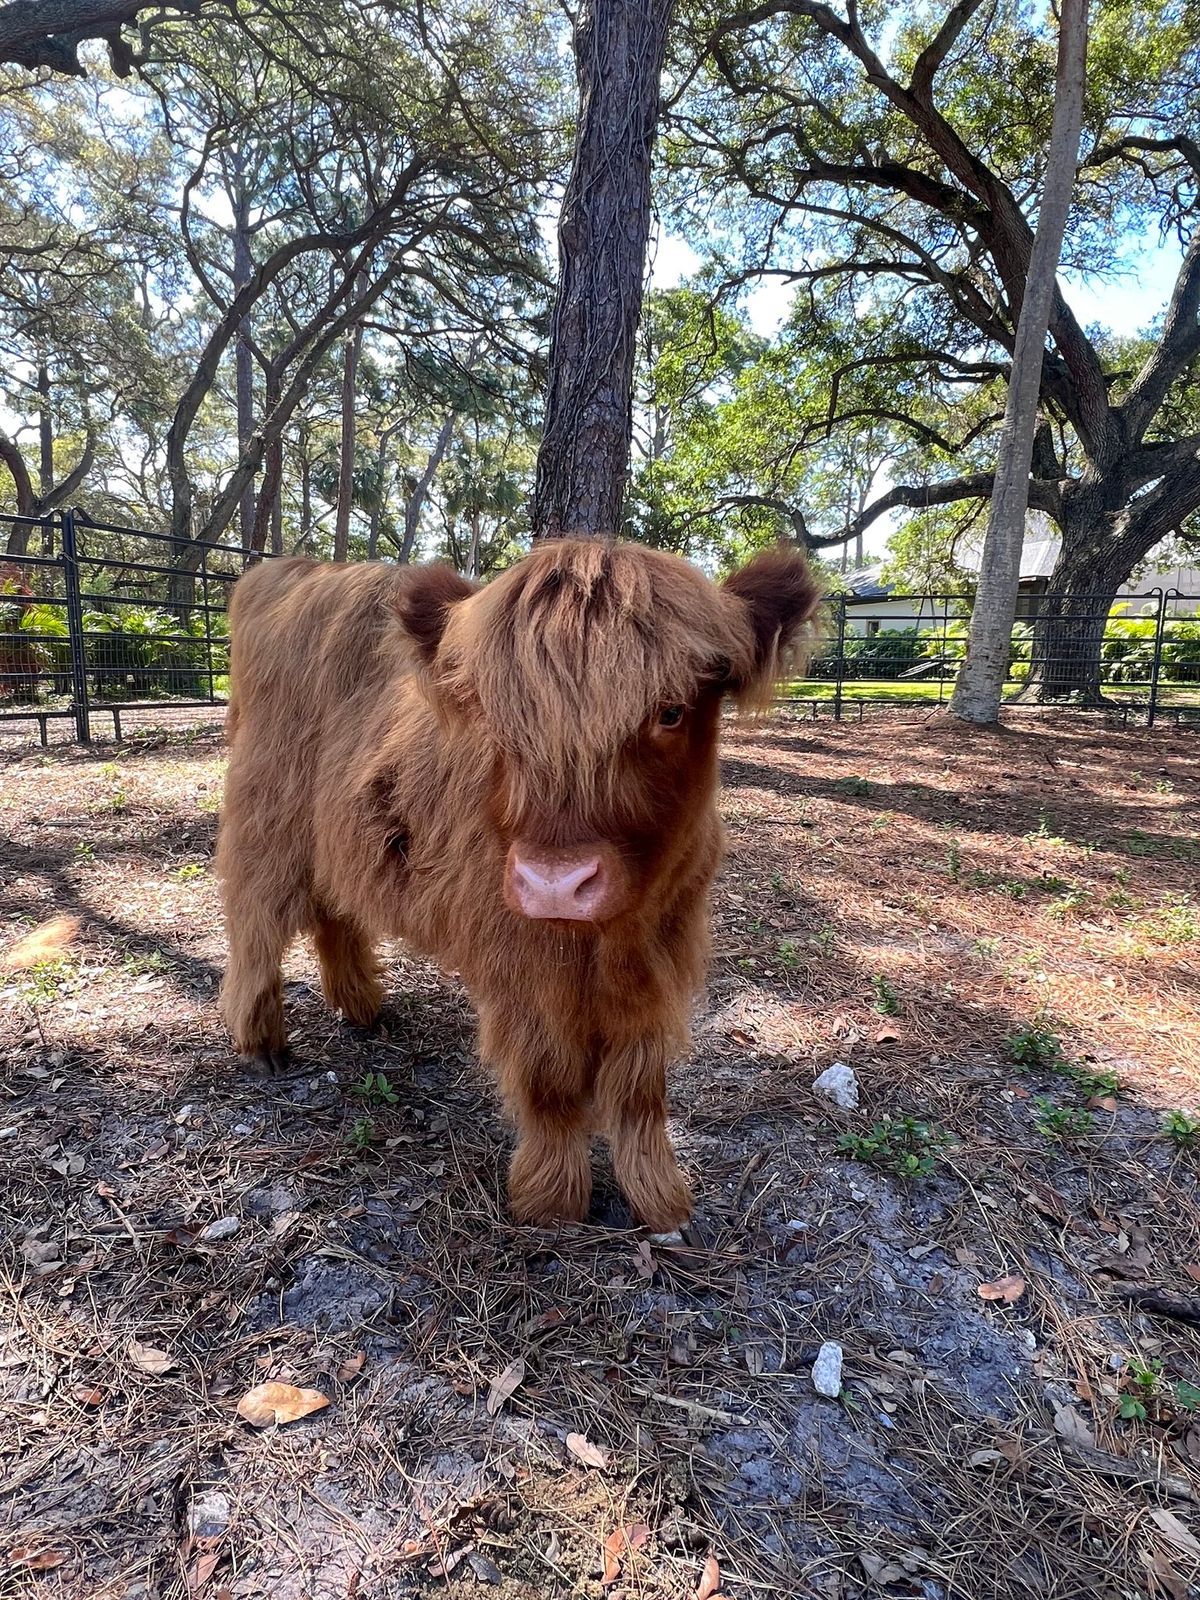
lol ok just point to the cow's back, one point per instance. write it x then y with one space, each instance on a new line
312 645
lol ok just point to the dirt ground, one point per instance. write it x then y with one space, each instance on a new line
586 1412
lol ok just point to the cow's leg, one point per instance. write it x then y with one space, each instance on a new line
349 971
550 1176
631 1105
252 993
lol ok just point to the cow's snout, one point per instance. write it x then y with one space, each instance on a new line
576 884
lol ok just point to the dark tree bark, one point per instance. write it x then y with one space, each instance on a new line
603 231
48 33
243 350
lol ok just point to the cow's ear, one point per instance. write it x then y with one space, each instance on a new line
781 594
424 598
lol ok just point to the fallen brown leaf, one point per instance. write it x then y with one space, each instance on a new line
582 1448
279 1402
201 1570
352 1366
146 1358
710 1579
887 1035
1069 1425
505 1384
35 1558
1179 1534
1192 1271
631 1537
1009 1289
87 1396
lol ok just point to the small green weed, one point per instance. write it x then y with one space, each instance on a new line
43 983
1071 904
1182 1128
1177 921
856 786
1045 832
1034 1044
824 939
1091 1080
85 851
139 965
1061 1122
788 952
1186 1396
954 863
905 1146
188 873
362 1134
985 946
374 1088
885 1001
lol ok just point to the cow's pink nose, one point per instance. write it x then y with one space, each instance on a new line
571 885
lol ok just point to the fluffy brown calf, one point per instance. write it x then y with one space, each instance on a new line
519 780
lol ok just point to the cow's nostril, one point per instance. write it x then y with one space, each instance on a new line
562 885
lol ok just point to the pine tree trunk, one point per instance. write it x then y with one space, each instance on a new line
243 358
980 686
603 231
345 492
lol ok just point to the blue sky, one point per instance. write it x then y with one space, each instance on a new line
1124 299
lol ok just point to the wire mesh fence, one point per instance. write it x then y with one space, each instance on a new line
97 620
1138 658
100 622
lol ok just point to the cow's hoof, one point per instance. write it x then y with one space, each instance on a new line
272 1063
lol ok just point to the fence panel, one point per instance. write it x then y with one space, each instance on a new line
1139 658
99 620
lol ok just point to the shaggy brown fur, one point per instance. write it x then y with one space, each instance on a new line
398 735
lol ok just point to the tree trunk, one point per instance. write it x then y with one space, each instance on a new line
603 231
1068 628
243 353
473 550
345 491
304 543
416 500
980 686
267 509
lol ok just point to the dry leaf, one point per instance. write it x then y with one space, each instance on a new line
352 1367
591 1455
1069 1425
1009 1289
87 1396
887 1035
614 1549
631 1537
202 1570
279 1402
36 1559
1163 1575
1193 1272
1180 1535
147 1359
505 1384
710 1580
44 943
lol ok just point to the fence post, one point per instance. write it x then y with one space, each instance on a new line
1160 628
841 659
79 689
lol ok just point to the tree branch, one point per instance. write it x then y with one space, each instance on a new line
48 33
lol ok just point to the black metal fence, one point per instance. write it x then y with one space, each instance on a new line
1138 659
97 620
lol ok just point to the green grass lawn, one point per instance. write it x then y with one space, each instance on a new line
920 691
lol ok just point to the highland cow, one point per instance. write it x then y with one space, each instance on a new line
519 780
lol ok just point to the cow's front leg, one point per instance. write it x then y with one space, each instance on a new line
544 1087
631 1104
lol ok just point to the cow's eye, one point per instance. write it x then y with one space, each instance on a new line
670 716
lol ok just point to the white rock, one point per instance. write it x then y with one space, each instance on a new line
827 1371
209 1514
838 1083
222 1228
